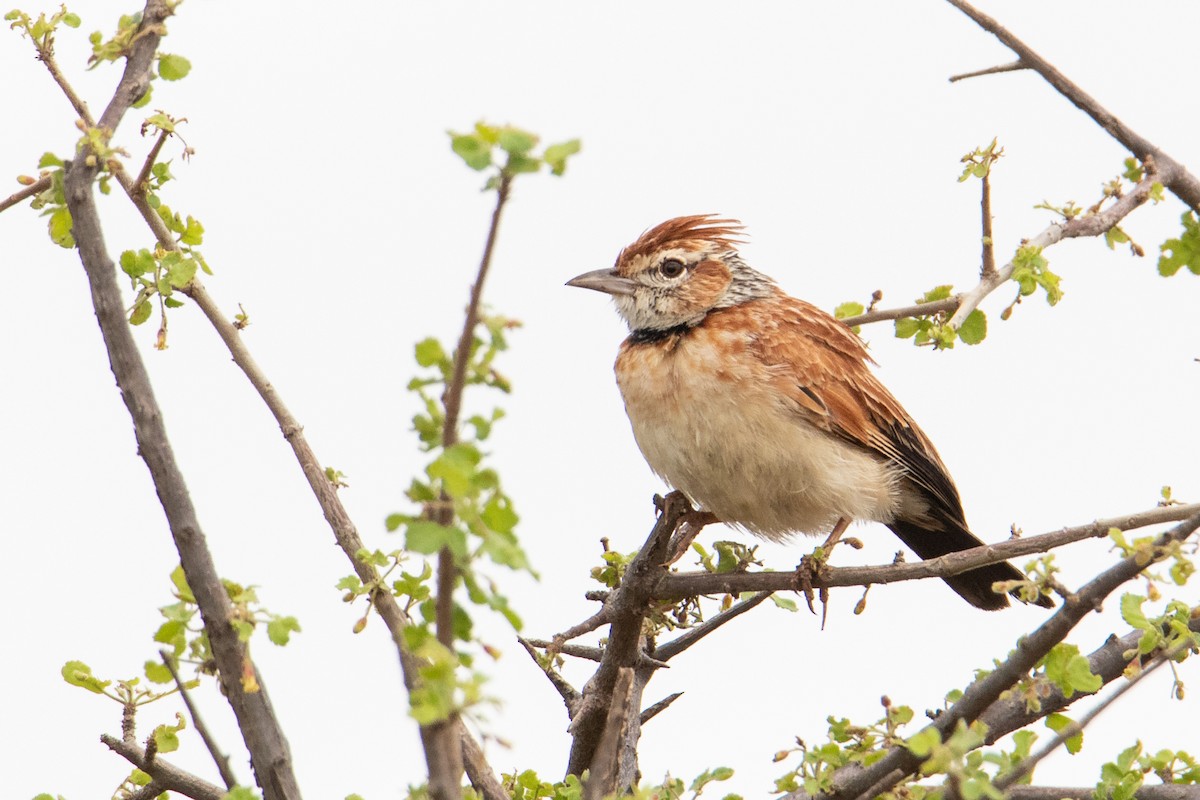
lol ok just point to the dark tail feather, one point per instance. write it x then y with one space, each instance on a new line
975 586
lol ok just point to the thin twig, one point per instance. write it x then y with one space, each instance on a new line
569 694
165 774
139 183
652 711
963 304
689 584
37 187
1175 177
1092 225
1010 67
689 637
988 260
219 758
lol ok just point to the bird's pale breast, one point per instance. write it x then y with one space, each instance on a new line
708 421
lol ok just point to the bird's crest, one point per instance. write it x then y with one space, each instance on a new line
689 233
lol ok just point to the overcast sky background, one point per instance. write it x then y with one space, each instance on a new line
336 214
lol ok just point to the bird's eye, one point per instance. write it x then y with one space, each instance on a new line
671 268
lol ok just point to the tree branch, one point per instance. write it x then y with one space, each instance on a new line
167 775
689 584
37 187
689 637
1168 791
605 766
268 749
1175 176
1013 66
626 608
219 758
900 762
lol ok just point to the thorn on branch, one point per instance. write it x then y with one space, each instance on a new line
1014 66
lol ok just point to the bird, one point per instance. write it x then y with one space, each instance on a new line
762 410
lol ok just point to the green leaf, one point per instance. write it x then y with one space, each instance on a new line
518 164
556 155
240 793
280 629
471 149
430 352
922 744
786 603
60 228
1131 611
429 537
80 674
141 311
499 515
937 293
180 272
974 328
193 233
71 20
157 672
48 159
179 581
1067 669
851 309
1060 722
907 327
167 736
515 141
172 67
1184 251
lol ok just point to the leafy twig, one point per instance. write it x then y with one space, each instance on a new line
165 774
37 187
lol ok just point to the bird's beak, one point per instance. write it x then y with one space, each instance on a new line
604 280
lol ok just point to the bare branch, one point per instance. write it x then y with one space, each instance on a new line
689 584
139 183
166 775
626 608
1010 67
1174 175
37 187
479 772
602 775
988 258
918 309
569 694
688 638
221 759
652 711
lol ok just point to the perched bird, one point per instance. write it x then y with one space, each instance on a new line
761 409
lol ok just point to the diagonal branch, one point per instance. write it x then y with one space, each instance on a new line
260 729
1175 176
166 775
219 758
37 187
900 761
688 638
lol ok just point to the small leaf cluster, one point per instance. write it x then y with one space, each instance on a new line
1183 251
1144 550
1030 272
1121 778
1168 632
509 151
52 201
157 275
1040 574
41 31
934 329
170 67
189 641
978 163
1068 670
847 744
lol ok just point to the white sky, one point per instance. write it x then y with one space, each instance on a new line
337 215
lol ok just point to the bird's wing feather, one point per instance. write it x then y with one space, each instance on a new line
821 366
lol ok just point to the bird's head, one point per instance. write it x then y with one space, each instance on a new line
677 272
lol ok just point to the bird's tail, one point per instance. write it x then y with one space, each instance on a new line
974 586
